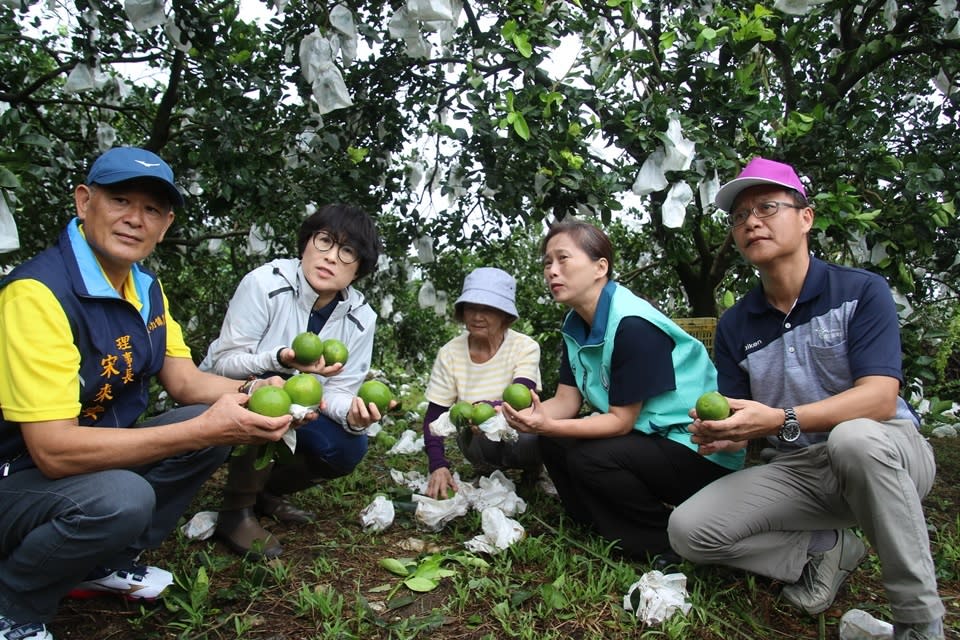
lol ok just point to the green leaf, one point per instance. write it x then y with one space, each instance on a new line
8 180
266 456
522 42
357 155
395 566
728 299
420 584
520 126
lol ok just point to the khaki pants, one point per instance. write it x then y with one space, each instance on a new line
867 474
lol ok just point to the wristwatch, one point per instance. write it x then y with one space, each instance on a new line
790 429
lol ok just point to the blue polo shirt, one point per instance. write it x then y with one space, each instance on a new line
843 327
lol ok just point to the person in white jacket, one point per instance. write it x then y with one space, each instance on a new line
272 305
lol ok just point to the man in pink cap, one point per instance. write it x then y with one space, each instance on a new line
810 360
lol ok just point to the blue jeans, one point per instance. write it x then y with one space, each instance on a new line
53 533
324 451
326 445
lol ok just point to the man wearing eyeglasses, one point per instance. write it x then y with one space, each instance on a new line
811 360
272 305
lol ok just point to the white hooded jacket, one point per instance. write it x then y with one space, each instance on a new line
270 307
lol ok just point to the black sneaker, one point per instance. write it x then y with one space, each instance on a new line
11 630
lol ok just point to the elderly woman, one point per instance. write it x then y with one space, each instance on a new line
477 366
617 469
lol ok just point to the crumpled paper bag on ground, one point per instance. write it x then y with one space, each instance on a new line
434 514
495 490
408 442
378 515
201 526
860 625
413 480
655 596
499 532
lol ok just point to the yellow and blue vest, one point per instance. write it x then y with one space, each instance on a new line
120 348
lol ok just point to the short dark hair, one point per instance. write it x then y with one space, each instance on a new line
348 225
588 237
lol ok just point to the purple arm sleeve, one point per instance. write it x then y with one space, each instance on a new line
527 382
433 444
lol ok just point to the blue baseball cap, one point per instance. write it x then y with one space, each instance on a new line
128 163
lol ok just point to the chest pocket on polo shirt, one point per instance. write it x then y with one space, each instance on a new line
831 366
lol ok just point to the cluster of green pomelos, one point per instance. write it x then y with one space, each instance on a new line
304 389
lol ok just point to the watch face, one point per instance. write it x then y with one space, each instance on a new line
790 431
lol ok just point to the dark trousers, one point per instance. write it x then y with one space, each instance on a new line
53 533
625 487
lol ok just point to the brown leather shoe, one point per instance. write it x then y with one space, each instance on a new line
241 531
279 509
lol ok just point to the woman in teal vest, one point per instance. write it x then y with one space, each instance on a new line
619 468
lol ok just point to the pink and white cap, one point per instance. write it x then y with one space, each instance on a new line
758 171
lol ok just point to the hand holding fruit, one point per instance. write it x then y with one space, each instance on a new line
302 390
228 422
373 400
532 419
308 353
747 420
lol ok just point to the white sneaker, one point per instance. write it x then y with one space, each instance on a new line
139 582
10 630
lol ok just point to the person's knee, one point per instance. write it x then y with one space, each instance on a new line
853 443
680 527
339 462
692 539
124 507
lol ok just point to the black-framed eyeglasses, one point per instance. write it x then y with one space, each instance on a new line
324 242
762 210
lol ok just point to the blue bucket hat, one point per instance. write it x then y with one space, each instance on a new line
128 163
491 287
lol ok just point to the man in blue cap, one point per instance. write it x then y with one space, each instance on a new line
84 328
810 360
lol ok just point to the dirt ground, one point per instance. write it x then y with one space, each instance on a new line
337 538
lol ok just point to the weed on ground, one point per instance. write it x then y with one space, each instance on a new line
558 582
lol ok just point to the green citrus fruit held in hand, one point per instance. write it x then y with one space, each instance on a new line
712 406
461 413
307 347
334 352
304 389
376 392
269 401
518 396
482 412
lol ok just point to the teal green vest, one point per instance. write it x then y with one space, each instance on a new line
666 414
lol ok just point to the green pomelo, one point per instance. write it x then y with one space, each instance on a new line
269 401
304 389
712 406
334 352
307 347
376 392
518 396
482 412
